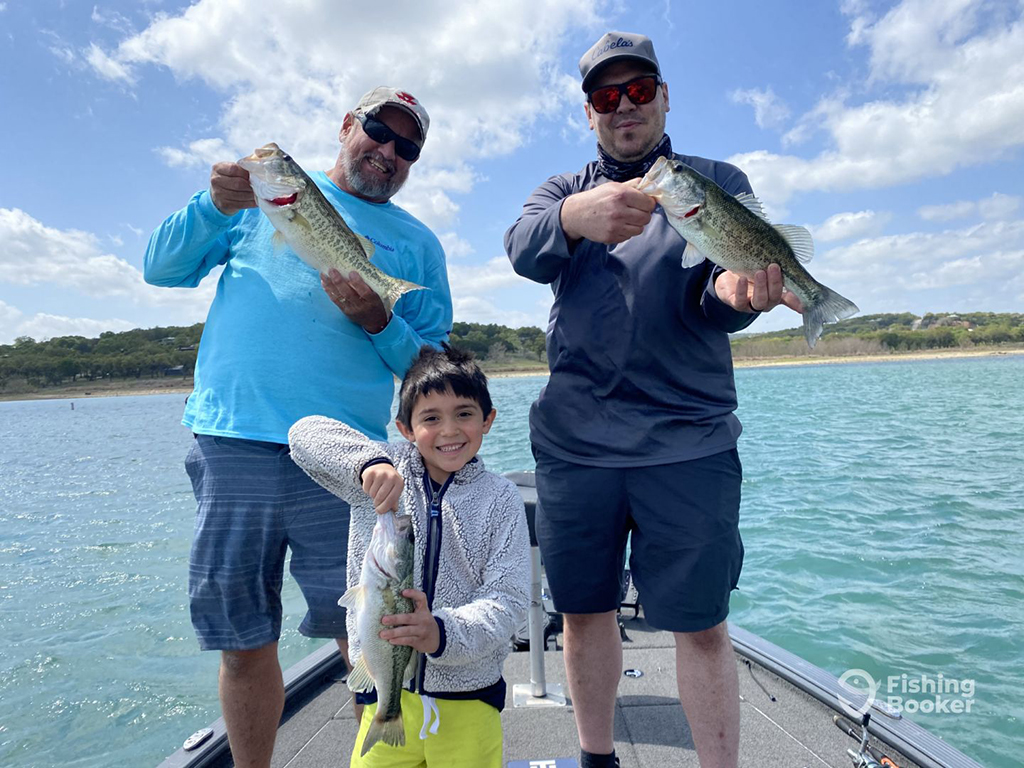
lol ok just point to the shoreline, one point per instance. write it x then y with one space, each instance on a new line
88 390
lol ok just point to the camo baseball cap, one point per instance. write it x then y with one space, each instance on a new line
616 46
385 96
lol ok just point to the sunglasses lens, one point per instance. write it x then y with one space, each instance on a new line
642 91
606 99
405 149
379 132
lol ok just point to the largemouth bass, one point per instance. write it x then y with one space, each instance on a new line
387 570
311 226
734 233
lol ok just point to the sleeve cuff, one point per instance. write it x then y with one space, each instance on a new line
371 462
211 212
444 639
391 334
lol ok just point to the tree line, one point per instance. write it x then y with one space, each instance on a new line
171 351
886 333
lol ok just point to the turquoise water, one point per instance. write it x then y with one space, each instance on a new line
883 516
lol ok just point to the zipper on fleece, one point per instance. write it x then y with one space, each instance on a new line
432 557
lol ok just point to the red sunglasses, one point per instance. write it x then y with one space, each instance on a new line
639 90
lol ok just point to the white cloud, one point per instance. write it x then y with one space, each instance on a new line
200 153
971 269
106 67
843 226
34 254
996 207
8 317
769 110
13 324
454 246
496 273
947 211
895 269
472 309
486 70
493 293
959 102
43 326
112 20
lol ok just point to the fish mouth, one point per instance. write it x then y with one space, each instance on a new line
650 184
272 176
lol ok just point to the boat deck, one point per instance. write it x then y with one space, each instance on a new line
781 725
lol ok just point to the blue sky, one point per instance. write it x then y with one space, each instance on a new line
893 130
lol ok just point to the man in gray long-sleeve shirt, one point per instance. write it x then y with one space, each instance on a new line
635 430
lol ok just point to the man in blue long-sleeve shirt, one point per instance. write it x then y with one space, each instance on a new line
282 342
634 431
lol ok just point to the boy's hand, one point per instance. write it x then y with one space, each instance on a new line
418 629
384 485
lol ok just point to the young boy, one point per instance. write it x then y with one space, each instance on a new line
471 589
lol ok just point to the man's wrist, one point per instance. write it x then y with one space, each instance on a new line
374 328
565 221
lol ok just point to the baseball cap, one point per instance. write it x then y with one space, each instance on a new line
616 46
385 96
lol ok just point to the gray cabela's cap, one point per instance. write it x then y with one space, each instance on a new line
385 96
616 46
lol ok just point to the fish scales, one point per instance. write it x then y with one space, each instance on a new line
307 222
745 243
734 233
387 571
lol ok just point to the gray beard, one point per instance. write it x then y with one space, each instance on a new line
362 185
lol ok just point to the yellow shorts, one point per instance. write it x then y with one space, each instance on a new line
467 735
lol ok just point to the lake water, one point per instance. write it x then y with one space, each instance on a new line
883 516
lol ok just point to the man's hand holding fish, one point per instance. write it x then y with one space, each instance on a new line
356 299
760 293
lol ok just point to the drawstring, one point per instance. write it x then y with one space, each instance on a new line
430 710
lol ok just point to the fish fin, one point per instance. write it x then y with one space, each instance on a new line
396 292
830 308
410 668
300 221
389 731
752 204
278 242
691 256
353 597
799 240
360 679
368 247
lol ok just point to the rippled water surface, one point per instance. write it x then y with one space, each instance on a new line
883 516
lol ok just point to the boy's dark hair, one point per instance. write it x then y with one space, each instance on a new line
448 369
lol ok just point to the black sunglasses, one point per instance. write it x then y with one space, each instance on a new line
407 149
639 90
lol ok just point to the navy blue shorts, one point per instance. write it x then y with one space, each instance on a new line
686 552
254 503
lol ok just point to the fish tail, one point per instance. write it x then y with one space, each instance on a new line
397 289
830 308
389 731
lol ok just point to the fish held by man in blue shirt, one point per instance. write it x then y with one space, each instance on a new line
311 226
734 233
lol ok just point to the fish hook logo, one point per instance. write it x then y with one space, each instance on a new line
406 97
863 688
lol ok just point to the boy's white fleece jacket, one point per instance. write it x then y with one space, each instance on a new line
482 587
